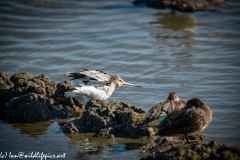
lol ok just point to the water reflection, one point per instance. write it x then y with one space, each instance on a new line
88 143
90 146
175 25
32 129
174 21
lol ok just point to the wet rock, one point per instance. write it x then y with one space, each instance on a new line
5 83
70 128
106 132
191 147
72 104
63 87
48 85
30 107
25 83
34 99
17 76
183 5
68 107
110 119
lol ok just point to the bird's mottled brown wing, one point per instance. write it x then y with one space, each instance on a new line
88 75
163 109
184 121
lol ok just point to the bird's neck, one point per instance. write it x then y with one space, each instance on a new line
114 85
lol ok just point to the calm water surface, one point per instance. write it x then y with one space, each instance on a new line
194 54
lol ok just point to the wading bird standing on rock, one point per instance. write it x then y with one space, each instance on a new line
94 84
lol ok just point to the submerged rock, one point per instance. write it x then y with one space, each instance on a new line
191 147
37 98
111 119
70 128
183 5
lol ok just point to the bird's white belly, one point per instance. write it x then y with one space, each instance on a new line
85 93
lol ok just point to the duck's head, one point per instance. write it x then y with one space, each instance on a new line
173 96
195 102
118 81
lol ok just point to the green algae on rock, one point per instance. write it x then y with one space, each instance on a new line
109 119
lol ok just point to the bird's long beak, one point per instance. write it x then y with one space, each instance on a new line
129 84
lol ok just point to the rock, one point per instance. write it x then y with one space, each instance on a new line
17 76
68 107
70 128
191 147
34 99
112 119
30 107
6 90
63 87
48 85
25 83
5 83
183 5
106 132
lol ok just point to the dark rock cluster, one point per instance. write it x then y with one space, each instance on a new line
183 5
192 147
33 99
110 119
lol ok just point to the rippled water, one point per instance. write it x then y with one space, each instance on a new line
194 54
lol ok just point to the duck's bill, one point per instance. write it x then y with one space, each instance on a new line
129 84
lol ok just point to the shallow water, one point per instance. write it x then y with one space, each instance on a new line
194 54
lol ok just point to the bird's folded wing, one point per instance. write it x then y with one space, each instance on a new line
182 121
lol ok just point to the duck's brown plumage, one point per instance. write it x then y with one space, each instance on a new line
172 103
195 117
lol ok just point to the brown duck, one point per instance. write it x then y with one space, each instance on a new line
155 115
193 118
